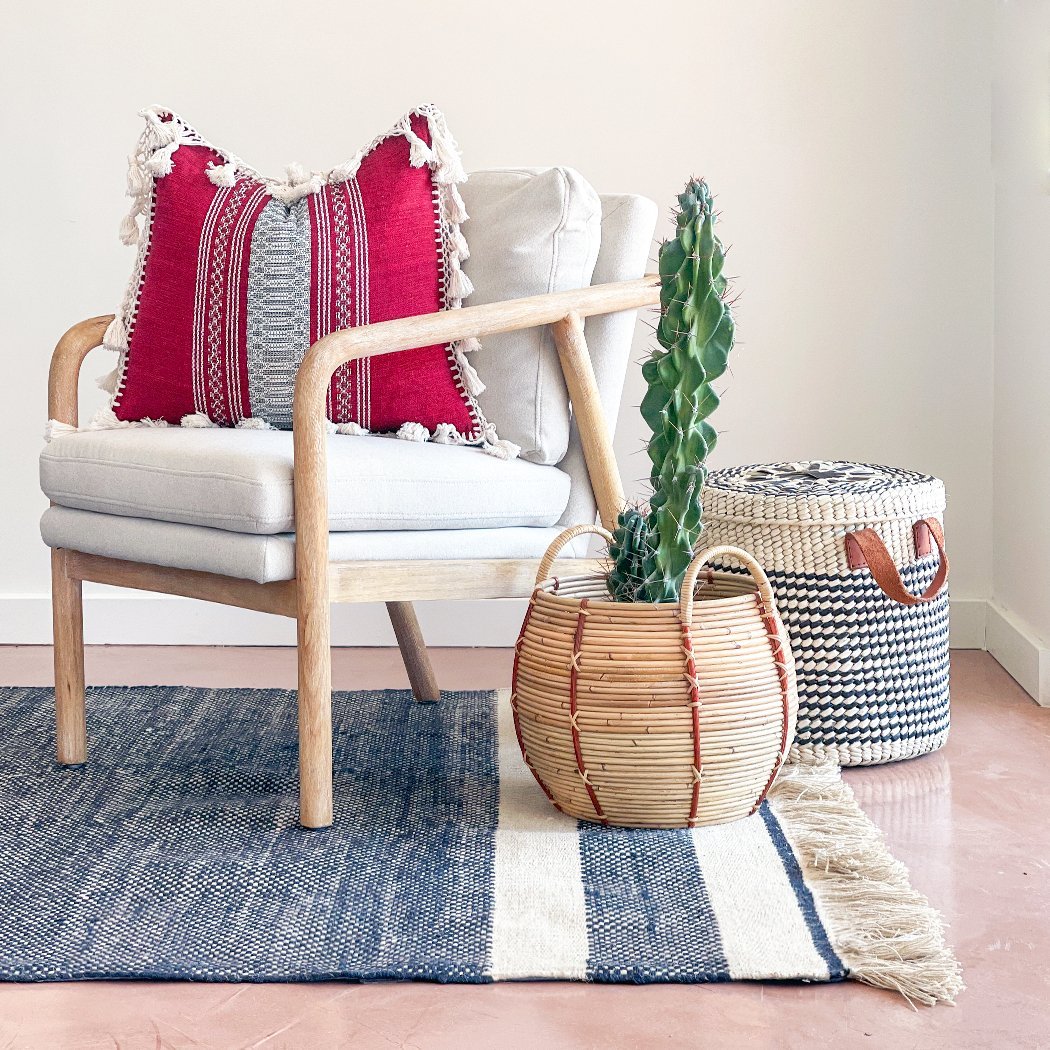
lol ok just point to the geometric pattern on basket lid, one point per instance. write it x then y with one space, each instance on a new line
823 491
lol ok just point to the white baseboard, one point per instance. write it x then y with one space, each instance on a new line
1020 651
113 617
966 624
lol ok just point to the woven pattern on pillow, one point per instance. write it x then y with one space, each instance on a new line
237 275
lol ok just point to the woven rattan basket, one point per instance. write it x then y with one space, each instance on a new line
657 716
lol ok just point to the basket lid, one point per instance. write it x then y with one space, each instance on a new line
822 490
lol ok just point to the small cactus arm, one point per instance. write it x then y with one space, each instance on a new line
627 553
695 336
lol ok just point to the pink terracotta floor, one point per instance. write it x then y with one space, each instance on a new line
970 822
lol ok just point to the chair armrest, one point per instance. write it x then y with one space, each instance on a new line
64 376
326 355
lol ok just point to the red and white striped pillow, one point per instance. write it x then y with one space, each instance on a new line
237 275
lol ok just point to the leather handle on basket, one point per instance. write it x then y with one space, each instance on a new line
865 547
558 545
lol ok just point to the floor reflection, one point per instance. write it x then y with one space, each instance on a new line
911 802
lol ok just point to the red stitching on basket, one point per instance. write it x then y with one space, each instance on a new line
776 646
574 670
694 703
514 699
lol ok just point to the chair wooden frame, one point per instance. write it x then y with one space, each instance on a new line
319 582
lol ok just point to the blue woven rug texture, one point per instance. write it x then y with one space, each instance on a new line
175 853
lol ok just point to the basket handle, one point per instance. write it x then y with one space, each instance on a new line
865 547
558 545
758 574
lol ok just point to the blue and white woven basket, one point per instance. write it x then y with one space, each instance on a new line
867 615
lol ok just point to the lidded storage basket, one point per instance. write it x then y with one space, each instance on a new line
855 554
654 715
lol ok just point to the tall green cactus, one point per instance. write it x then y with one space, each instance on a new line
695 334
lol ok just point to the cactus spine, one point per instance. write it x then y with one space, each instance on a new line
695 336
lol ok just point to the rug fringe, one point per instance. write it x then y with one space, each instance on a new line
884 931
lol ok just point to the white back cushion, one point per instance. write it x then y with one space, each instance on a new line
530 231
628 222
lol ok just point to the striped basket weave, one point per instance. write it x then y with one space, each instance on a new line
855 554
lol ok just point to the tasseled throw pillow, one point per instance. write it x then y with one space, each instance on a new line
237 275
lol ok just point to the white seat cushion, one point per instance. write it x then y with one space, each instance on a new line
266 559
241 481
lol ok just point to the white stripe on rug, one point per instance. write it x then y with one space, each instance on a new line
539 917
762 928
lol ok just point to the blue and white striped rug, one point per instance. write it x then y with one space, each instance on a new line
175 854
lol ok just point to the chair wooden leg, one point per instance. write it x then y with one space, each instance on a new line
315 711
413 651
67 610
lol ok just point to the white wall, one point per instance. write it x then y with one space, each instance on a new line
848 141
1022 338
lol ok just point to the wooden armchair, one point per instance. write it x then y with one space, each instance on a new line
318 580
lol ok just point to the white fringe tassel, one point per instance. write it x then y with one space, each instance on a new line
106 419
116 337
446 434
154 157
352 429
197 421
129 231
467 372
459 243
413 432
300 183
501 449
345 172
54 427
882 929
455 209
419 153
108 382
459 286
222 174
450 166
